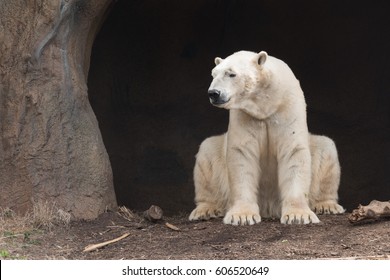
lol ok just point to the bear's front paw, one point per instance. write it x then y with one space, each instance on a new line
205 212
242 215
328 207
299 216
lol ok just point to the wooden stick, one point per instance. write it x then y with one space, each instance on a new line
373 211
100 245
172 227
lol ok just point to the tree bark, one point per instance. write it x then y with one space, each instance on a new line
50 144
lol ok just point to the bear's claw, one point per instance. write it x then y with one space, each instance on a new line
242 215
203 212
299 217
242 219
328 208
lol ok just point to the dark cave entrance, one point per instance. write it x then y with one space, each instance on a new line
150 70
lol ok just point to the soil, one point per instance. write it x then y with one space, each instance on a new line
333 238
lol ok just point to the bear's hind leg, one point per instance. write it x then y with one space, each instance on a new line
211 190
325 182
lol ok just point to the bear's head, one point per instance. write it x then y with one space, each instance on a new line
243 81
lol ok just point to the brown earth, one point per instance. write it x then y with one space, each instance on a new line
334 237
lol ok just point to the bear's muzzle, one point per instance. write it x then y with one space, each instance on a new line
216 98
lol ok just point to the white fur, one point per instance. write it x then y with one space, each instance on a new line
266 164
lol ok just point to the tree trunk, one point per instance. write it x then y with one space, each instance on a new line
50 144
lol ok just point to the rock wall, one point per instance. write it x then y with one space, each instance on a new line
50 144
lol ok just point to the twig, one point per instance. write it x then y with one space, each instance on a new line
172 227
127 214
100 245
11 236
116 226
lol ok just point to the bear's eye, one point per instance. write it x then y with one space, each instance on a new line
232 75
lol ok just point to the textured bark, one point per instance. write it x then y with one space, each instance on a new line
50 144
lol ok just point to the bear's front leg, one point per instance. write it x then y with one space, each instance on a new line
210 178
243 168
294 175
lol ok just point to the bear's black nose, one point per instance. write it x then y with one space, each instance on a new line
214 94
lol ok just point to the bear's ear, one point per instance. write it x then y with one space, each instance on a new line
217 60
262 57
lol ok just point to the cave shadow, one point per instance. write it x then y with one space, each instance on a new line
150 70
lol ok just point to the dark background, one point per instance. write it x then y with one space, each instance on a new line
150 70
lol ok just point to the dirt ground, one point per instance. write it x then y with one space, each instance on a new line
334 237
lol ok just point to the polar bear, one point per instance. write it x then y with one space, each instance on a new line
266 164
